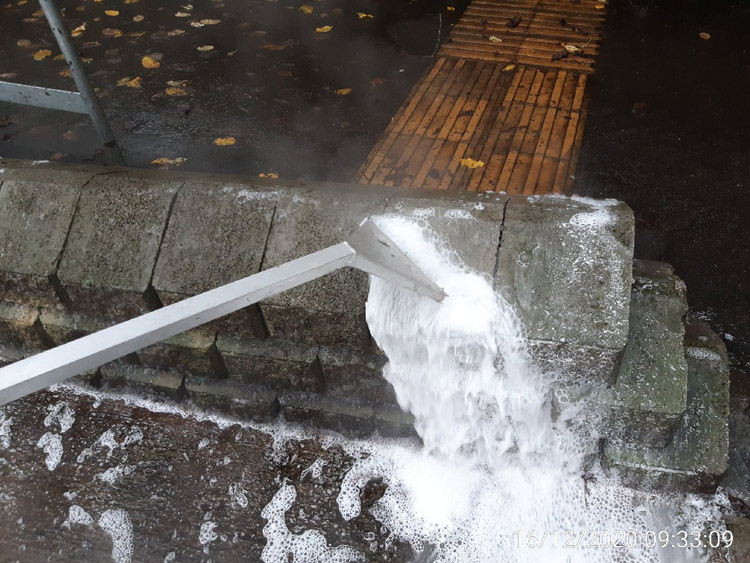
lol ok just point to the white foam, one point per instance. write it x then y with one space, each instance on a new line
309 547
116 522
238 495
207 534
77 515
62 415
52 446
6 434
114 474
315 469
703 354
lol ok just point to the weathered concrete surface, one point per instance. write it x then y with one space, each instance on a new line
564 263
697 457
171 474
35 215
111 251
651 391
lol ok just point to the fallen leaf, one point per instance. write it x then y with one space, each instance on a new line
86 59
704 35
187 7
273 47
225 141
130 82
324 29
58 57
204 48
258 33
65 72
78 30
166 162
42 54
111 32
80 8
507 68
268 175
131 1
450 8
471 163
513 22
30 20
38 13
196 24
138 18
210 22
175 32
112 13
21 3
177 82
136 33
286 73
24 43
8 75
182 15
495 39
363 16
306 9
69 135
175 91
343 91
232 53
149 62
570 48
599 6
90 44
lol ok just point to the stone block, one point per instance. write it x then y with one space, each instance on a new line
650 394
329 310
565 265
217 234
119 375
36 210
697 458
190 353
10 354
20 327
566 362
113 245
356 375
249 402
351 418
392 422
470 224
274 363
64 327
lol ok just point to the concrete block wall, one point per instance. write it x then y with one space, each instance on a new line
82 248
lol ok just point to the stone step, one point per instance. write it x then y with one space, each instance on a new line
649 397
698 455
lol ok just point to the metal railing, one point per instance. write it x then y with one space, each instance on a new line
367 249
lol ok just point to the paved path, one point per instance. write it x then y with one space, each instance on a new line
503 106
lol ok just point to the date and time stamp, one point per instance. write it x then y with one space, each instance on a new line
628 539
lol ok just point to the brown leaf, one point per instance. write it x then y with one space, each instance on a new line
150 62
111 32
175 91
167 162
42 54
205 48
324 29
112 13
130 82
225 141
138 18
471 163
24 43
704 35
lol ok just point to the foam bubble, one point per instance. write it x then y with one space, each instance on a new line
62 415
77 515
52 446
6 433
116 522
114 474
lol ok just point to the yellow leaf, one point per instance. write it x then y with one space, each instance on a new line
471 163
204 48
21 3
80 8
363 16
509 67
111 32
570 48
182 15
306 9
175 91
599 6
86 59
42 54
187 7
177 82
136 33
196 24
268 175
78 30
175 32
138 18
273 47
131 1
38 13
495 39
150 62
166 162
450 8
130 82
210 22
112 12
344 91
23 43
58 57
225 141
704 35
324 29
65 72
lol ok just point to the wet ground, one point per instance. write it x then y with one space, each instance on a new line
668 132
305 89
668 129
185 489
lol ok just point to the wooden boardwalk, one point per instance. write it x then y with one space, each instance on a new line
503 106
